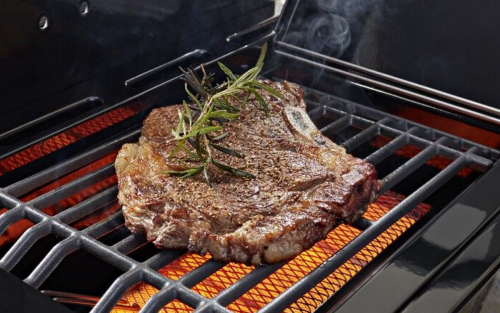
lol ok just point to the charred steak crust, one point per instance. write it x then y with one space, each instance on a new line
305 185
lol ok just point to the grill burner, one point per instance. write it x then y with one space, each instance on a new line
189 281
61 228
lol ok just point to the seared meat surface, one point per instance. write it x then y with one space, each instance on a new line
304 186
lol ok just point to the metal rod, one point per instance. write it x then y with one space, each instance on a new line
88 206
92 304
116 290
72 187
200 273
86 101
23 244
159 300
337 126
406 169
130 244
51 261
398 90
372 115
236 37
45 176
76 296
105 226
431 91
317 275
481 162
9 217
251 280
365 135
163 258
387 150
362 223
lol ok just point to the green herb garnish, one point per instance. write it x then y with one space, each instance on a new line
201 122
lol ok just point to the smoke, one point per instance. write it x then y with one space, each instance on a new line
329 34
333 28
330 27
325 32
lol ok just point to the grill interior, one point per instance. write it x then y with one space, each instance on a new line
64 221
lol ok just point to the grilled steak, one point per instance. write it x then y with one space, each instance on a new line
304 186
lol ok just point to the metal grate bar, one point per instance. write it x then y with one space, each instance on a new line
316 276
88 206
117 289
365 135
338 125
362 223
51 261
235 291
200 273
129 244
23 244
105 226
371 123
90 245
409 167
480 163
168 294
10 217
159 300
387 150
163 258
58 170
72 187
177 291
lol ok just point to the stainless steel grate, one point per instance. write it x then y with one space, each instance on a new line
345 114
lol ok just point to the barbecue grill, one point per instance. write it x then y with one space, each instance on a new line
78 78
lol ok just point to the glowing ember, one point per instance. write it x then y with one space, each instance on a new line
14 231
290 273
268 289
408 152
64 139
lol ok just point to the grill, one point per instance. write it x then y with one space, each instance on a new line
56 218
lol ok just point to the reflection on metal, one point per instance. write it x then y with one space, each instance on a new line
401 91
253 31
43 23
192 56
84 8
402 82
155 271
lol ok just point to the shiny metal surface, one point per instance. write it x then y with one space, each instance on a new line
439 47
398 90
54 53
147 38
105 49
487 299
253 31
466 272
420 259
18 297
430 91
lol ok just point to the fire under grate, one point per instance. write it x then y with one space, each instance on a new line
195 286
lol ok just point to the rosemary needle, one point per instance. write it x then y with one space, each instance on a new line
201 122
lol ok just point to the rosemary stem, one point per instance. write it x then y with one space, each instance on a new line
215 108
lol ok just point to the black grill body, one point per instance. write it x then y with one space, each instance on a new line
340 96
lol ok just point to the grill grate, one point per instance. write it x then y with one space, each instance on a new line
370 122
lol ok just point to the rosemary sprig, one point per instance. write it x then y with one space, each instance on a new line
201 122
